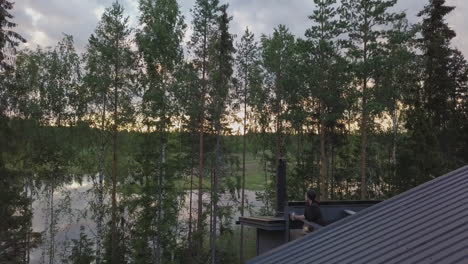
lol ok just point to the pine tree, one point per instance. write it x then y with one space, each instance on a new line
459 121
281 94
187 92
159 42
205 15
326 79
9 39
248 65
436 37
367 22
278 52
15 213
96 79
399 76
219 98
435 113
112 66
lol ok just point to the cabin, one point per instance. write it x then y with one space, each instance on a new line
427 224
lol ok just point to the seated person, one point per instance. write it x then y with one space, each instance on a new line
312 211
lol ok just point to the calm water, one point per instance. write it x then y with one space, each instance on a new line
72 207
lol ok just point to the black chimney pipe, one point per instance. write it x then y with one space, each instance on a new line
281 195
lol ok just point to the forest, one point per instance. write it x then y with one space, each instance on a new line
146 148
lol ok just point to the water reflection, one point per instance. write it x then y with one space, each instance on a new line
72 209
16 238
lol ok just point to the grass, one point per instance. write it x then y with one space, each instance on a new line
254 175
229 243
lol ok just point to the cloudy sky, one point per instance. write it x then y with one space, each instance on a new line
42 22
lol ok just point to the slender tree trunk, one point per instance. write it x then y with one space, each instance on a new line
211 208
115 241
200 187
365 117
322 130
323 158
244 146
190 208
201 150
28 248
213 217
215 196
160 194
162 174
100 210
332 172
364 124
52 224
394 142
279 122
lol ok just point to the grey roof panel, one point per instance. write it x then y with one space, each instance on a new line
427 224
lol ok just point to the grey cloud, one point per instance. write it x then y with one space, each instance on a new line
457 21
77 17
263 16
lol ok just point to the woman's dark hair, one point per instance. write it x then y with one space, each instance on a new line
311 195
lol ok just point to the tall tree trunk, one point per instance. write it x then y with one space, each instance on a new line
279 123
215 193
364 124
52 224
394 142
323 137
201 149
364 120
190 209
115 241
200 184
30 206
323 157
52 213
244 147
160 194
211 206
100 210
331 171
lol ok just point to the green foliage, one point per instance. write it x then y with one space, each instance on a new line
9 39
111 64
367 27
366 105
160 45
436 119
279 59
16 215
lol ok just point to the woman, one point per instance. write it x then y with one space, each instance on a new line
312 211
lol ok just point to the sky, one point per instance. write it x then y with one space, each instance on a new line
43 22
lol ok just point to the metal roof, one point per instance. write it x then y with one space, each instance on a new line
427 224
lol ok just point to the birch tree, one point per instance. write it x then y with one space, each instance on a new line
159 43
